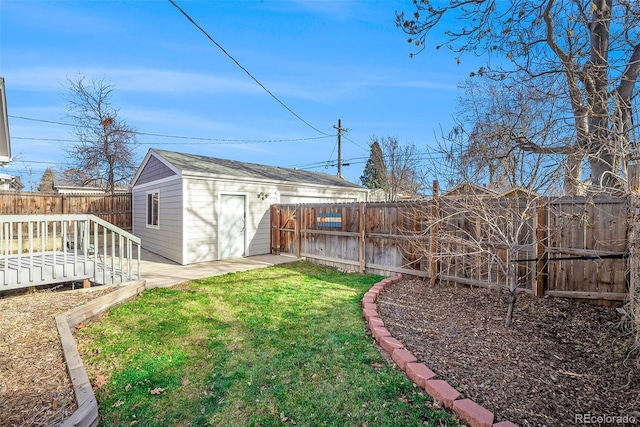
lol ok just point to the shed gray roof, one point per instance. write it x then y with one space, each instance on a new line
214 166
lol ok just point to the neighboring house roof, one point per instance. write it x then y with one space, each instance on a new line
519 192
63 183
469 188
10 182
67 187
214 167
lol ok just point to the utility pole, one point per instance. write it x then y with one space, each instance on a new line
340 130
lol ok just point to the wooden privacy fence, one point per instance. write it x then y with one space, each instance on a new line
115 209
569 247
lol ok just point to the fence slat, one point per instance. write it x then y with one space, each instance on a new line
114 208
558 252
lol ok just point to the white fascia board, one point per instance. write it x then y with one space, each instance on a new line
5 142
155 183
230 178
140 168
165 162
183 219
150 153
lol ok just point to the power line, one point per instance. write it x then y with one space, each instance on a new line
195 138
39 162
241 141
326 164
354 143
43 139
362 160
41 120
217 142
245 70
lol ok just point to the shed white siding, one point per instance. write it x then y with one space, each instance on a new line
203 210
190 189
289 194
200 220
167 238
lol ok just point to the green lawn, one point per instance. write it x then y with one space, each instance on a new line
284 345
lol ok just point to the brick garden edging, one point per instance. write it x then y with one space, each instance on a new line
419 373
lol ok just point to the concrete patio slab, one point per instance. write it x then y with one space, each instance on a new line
161 272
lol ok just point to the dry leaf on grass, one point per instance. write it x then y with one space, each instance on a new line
101 380
377 366
157 390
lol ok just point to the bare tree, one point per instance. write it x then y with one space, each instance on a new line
478 237
28 170
104 154
403 163
483 228
483 149
589 50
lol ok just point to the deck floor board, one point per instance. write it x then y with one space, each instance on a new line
44 268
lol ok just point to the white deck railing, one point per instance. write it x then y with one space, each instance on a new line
45 249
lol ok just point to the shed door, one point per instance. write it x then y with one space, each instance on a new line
231 229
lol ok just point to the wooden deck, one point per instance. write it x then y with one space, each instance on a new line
39 250
45 268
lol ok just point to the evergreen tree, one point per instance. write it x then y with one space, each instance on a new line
375 171
46 182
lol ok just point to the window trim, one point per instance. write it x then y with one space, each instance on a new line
149 205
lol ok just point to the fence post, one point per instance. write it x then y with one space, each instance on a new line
633 245
274 221
362 210
541 255
433 243
298 235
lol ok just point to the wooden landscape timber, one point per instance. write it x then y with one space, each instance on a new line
87 413
575 248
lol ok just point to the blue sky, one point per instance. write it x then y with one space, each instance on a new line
326 60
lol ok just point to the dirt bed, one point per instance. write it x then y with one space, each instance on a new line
35 389
560 358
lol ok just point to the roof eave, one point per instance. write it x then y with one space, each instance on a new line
191 174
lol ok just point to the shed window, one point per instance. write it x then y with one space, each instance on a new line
152 209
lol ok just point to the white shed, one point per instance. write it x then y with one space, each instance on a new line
191 208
